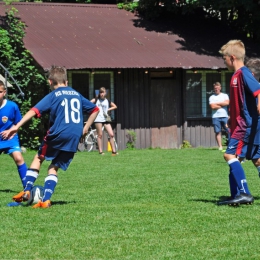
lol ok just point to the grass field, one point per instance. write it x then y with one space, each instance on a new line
142 204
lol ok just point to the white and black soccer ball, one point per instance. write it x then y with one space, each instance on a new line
36 194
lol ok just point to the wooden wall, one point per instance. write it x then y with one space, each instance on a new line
155 109
132 92
150 107
199 132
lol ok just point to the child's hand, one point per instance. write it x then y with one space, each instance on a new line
10 133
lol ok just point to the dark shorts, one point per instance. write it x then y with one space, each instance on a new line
250 151
219 123
234 146
61 159
243 150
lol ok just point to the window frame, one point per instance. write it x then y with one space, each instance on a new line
91 81
204 99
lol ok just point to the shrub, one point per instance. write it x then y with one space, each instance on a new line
131 135
185 144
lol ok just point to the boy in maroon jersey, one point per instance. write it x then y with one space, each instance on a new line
244 112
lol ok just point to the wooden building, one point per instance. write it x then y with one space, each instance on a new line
160 75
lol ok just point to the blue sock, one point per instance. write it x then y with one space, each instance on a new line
234 191
31 176
49 186
239 175
22 173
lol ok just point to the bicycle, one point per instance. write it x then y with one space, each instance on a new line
90 140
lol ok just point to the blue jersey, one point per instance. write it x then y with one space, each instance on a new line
65 107
10 115
244 118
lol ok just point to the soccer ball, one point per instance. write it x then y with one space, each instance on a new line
35 195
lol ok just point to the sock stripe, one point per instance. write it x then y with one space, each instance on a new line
232 161
51 178
32 173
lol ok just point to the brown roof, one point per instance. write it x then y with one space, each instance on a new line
80 36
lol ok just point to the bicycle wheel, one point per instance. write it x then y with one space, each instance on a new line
81 147
89 142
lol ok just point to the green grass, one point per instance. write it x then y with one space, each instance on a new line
142 204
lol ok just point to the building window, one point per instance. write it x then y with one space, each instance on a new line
88 82
80 82
199 87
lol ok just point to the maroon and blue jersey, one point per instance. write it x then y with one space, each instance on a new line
10 115
65 107
244 118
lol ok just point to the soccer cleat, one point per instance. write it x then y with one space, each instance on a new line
114 153
40 204
22 196
243 198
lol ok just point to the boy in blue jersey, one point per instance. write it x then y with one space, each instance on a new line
247 151
244 110
65 107
10 115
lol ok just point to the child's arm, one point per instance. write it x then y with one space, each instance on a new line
10 132
258 104
90 121
112 106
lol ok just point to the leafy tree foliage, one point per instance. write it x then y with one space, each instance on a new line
31 80
241 15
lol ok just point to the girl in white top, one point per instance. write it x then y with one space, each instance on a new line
104 108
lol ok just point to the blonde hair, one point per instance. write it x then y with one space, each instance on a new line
217 84
234 47
101 90
2 84
254 65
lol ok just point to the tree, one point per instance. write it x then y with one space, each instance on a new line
21 65
241 15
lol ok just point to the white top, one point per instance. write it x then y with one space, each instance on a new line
103 106
221 112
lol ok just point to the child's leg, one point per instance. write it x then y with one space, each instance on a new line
234 191
62 160
237 171
111 135
50 182
30 178
21 166
99 138
33 172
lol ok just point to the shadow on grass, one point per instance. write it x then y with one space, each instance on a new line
8 191
221 198
205 201
62 202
